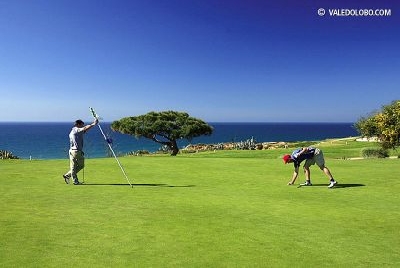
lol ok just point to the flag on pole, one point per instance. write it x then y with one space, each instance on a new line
109 142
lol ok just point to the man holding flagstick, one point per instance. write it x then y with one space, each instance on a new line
76 155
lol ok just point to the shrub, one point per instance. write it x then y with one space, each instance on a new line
187 151
137 153
7 155
374 153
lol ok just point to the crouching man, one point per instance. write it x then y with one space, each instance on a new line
311 156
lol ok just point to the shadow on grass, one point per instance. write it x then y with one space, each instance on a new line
135 184
348 185
340 185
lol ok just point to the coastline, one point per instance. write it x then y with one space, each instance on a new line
50 140
245 145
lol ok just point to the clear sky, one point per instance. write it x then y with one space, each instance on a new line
218 60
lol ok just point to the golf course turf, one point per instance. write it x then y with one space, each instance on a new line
212 209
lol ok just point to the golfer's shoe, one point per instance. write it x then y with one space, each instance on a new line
77 183
66 179
306 183
331 184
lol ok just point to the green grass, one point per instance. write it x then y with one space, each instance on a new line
216 209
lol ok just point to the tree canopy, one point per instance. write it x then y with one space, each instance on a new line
384 124
164 127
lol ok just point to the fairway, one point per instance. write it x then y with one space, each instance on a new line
222 209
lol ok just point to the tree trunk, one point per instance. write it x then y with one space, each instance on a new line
174 148
171 144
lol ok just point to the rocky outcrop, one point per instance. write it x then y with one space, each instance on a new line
250 144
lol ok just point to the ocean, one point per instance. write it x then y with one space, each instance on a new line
50 140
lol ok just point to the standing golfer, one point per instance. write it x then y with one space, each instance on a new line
76 155
312 156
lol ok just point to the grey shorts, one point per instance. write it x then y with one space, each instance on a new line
317 159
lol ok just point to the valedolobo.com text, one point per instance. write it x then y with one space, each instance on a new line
345 12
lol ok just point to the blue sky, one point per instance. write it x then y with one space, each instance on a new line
244 61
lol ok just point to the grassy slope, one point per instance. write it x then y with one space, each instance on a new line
219 209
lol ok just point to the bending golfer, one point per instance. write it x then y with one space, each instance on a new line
312 156
76 155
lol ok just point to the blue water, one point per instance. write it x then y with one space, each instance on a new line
50 140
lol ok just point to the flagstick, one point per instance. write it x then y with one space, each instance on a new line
109 146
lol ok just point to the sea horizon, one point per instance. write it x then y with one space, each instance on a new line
208 122
49 140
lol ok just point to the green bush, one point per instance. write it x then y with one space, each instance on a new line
7 155
137 153
187 151
374 153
